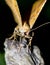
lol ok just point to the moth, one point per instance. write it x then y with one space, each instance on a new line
15 51
23 30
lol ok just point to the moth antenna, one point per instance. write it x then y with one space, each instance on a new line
40 26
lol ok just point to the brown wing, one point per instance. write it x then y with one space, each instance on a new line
36 9
15 10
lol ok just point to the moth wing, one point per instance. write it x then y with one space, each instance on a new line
15 10
36 9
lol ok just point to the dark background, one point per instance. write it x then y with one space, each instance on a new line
42 35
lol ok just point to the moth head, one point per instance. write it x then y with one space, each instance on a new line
24 29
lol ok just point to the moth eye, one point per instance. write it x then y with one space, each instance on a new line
16 30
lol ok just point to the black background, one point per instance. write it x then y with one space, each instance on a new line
42 35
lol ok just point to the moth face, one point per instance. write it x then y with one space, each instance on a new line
21 30
24 28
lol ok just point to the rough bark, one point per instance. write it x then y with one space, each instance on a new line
17 53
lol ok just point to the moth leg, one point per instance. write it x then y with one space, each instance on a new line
11 36
30 41
14 35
